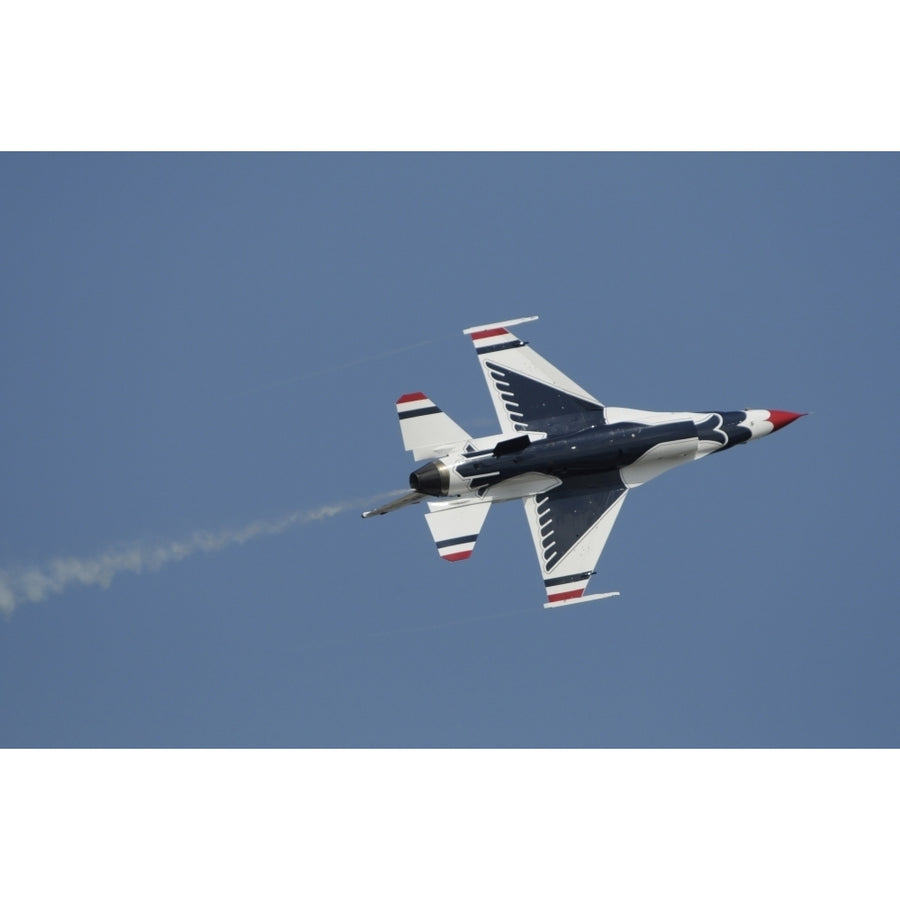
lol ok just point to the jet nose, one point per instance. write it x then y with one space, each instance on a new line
780 417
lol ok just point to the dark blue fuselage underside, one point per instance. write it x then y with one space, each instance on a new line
595 447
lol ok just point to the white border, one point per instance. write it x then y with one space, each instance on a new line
450 823
480 75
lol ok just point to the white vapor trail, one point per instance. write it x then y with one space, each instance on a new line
35 583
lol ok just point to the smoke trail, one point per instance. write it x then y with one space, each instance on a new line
37 582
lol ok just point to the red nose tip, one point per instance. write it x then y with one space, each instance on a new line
779 418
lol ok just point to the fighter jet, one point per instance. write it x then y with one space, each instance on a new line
571 459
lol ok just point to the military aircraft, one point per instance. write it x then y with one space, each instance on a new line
571 459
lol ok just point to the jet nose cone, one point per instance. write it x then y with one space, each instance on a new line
780 417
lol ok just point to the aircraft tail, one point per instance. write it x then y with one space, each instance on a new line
455 528
426 429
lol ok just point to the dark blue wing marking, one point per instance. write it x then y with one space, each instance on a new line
532 405
568 512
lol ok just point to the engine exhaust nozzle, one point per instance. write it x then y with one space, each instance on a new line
433 478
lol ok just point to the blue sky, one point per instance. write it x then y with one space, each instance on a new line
212 344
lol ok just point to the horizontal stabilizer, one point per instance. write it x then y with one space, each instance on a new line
399 503
426 429
456 529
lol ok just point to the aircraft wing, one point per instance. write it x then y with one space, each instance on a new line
527 391
570 526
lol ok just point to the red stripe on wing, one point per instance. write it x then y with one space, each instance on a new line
565 595
491 332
